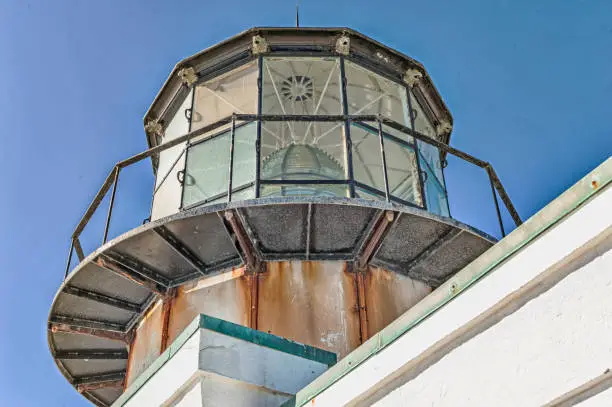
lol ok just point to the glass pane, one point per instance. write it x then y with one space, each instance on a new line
244 155
220 97
435 194
430 158
303 150
309 86
402 171
421 122
207 170
304 190
367 160
371 94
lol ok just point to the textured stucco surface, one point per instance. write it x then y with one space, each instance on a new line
555 343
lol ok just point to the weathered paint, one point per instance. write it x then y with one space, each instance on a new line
361 297
314 303
147 342
166 308
322 304
388 295
229 300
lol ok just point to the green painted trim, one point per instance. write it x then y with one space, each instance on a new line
268 340
595 182
221 326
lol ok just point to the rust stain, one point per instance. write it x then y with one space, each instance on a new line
388 295
310 302
166 309
229 300
361 303
128 369
254 282
146 343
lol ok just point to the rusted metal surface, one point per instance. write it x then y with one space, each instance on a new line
147 342
229 300
254 282
79 249
314 303
108 264
166 308
243 240
97 386
388 295
99 333
373 241
361 303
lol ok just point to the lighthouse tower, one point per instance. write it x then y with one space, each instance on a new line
299 207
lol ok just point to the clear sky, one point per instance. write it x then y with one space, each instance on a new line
529 84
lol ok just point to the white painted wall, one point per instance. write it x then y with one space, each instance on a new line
167 199
533 328
556 342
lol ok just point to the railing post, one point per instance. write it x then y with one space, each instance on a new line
260 79
384 158
69 259
347 131
231 159
417 155
111 204
499 218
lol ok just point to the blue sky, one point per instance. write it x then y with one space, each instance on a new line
529 85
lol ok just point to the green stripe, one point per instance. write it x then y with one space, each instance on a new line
268 340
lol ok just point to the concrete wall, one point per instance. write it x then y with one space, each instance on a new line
527 323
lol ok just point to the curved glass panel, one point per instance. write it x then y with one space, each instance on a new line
367 159
220 97
300 85
303 151
206 178
309 157
429 157
371 94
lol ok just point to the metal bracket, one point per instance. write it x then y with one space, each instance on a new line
103 299
133 270
188 76
244 242
343 45
443 128
154 128
374 239
413 76
57 326
260 45
96 354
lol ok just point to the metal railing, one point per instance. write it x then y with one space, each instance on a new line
113 177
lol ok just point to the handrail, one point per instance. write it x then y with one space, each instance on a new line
112 178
